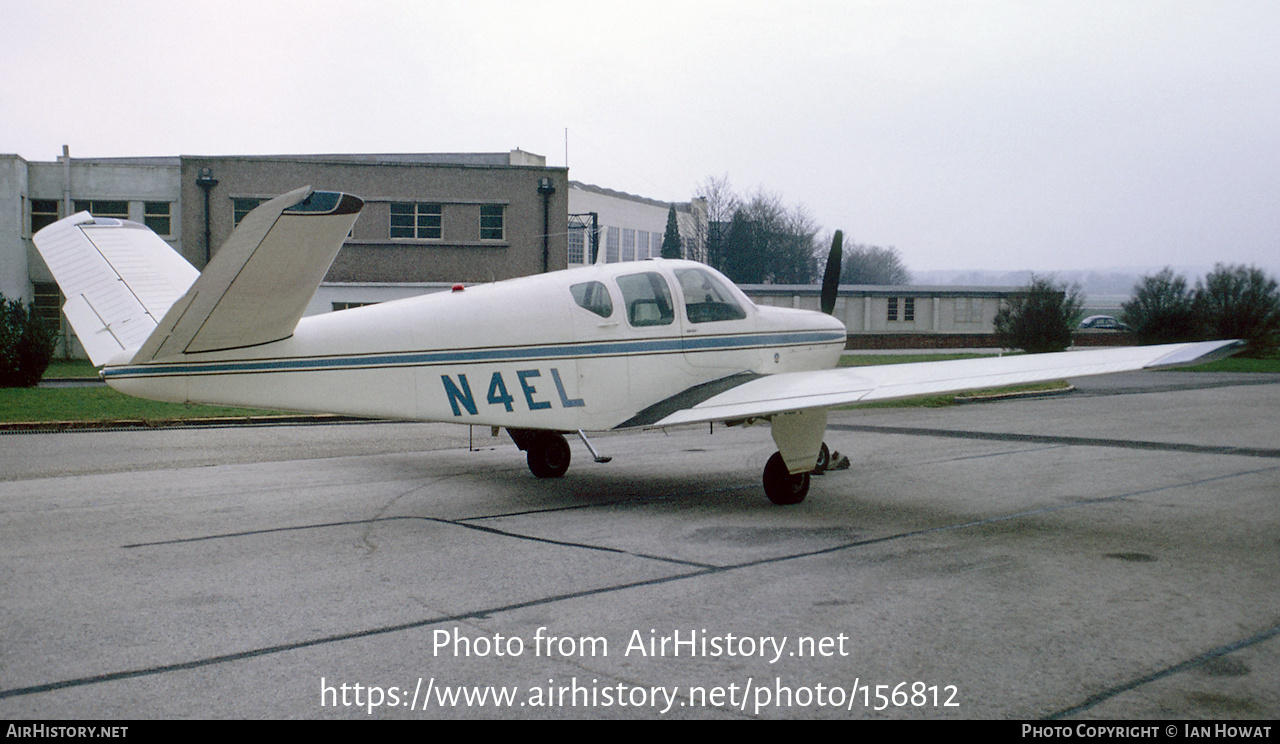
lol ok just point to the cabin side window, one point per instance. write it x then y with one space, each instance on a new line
705 298
647 299
593 296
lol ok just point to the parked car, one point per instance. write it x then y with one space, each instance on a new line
1102 323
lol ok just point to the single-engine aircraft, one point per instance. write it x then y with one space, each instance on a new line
651 343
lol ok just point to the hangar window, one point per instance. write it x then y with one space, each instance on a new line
705 298
412 220
893 308
611 244
491 222
577 245
593 296
628 244
647 299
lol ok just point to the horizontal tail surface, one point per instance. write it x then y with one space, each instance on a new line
127 289
119 279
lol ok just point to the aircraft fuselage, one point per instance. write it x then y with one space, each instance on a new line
580 349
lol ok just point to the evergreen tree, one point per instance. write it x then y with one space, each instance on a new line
672 245
1162 310
26 346
1240 302
1040 318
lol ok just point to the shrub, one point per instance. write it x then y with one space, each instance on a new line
26 346
1162 310
1040 318
1240 302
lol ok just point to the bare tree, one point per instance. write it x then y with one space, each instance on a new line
758 239
711 232
871 264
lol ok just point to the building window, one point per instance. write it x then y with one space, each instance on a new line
348 305
421 221
908 305
242 207
491 222
44 212
156 217
47 304
968 310
104 208
577 245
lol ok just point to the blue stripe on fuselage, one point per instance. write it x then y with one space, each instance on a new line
587 349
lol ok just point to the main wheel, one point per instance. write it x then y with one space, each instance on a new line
548 455
780 485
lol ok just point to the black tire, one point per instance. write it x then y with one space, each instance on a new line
781 486
824 460
548 455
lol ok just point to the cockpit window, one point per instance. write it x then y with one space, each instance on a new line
647 298
593 296
706 299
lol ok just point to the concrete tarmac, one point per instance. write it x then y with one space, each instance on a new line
1106 554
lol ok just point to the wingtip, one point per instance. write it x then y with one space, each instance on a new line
1197 353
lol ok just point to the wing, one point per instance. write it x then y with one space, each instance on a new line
258 285
119 279
794 391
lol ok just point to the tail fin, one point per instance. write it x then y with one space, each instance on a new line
127 289
258 285
119 279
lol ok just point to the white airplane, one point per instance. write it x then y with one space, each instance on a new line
651 343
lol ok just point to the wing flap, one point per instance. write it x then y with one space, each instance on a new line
795 391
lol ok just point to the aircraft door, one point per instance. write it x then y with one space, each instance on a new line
653 327
717 326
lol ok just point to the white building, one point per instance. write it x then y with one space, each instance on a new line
629 227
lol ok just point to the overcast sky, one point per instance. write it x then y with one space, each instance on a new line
968 135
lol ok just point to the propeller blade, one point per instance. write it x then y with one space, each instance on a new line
831 279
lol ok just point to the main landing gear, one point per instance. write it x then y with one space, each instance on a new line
780 485
784 487
546 451
548 455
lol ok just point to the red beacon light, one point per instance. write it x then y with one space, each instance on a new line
458 288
